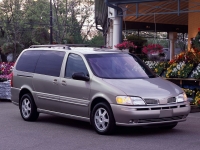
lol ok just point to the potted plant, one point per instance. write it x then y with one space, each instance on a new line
153 51
126 46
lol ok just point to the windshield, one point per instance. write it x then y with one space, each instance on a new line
118 66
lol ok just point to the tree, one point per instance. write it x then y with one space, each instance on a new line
20 20
73 22
11 16
96 41
26 22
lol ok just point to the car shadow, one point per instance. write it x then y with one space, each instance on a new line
61 121
5 100
141 131
120 131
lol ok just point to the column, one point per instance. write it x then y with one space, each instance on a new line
172 39
111 36
116 30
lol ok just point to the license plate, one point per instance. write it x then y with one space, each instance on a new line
166 113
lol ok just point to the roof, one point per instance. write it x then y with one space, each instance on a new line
82 50
146 13
165 12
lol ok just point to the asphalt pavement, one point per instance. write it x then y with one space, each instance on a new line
56 133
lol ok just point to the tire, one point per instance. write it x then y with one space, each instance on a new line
102 119
28 108
168 126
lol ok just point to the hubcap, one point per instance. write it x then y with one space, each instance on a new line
26 108
101 119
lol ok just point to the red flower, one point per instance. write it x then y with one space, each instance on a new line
152 48
198 102
125 45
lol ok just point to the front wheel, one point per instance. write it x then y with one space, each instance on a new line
102 119
28 108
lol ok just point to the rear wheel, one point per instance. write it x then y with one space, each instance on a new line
102 119
168 126
28 108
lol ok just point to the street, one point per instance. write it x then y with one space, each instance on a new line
56 133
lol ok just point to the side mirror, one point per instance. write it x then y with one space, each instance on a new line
80 76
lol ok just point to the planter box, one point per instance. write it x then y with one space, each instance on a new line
5 90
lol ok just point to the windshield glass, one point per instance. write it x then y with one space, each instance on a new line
118 66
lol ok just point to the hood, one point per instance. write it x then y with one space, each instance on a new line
146 88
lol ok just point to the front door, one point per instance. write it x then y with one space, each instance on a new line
74 94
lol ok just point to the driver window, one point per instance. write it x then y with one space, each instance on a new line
75 64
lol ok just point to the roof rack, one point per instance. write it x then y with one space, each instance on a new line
64 46
51 46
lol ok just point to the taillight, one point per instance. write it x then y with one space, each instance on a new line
11 82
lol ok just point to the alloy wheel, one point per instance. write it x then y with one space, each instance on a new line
26 108
101 119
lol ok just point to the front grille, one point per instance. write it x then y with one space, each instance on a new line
171 100
160 108
151 101
160 119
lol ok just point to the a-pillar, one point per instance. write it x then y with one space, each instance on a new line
172 39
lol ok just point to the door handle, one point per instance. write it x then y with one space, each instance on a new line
55 81
64 82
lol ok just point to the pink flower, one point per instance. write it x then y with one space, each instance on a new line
152 48
125 45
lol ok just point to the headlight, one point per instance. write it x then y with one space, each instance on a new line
181 98
126 100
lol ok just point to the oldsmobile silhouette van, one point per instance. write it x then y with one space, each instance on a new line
107 88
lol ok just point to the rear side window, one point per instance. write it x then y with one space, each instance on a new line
50 63
27 61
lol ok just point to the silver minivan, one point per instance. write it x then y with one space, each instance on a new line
101 86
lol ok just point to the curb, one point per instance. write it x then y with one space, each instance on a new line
194 109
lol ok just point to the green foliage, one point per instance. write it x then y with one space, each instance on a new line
27 21
197 98
160 68
196 42
96 41
10 47
185 70
40 36
133 37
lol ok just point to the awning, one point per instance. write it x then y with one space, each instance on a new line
173 14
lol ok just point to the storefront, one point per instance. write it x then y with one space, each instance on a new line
171 16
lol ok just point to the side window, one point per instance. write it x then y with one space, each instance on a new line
50 63
75 64
27 61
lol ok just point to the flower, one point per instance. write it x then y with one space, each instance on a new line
5 70
197 98
152 49
196 72
174 70
125 45
185 70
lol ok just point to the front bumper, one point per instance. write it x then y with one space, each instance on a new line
149 115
